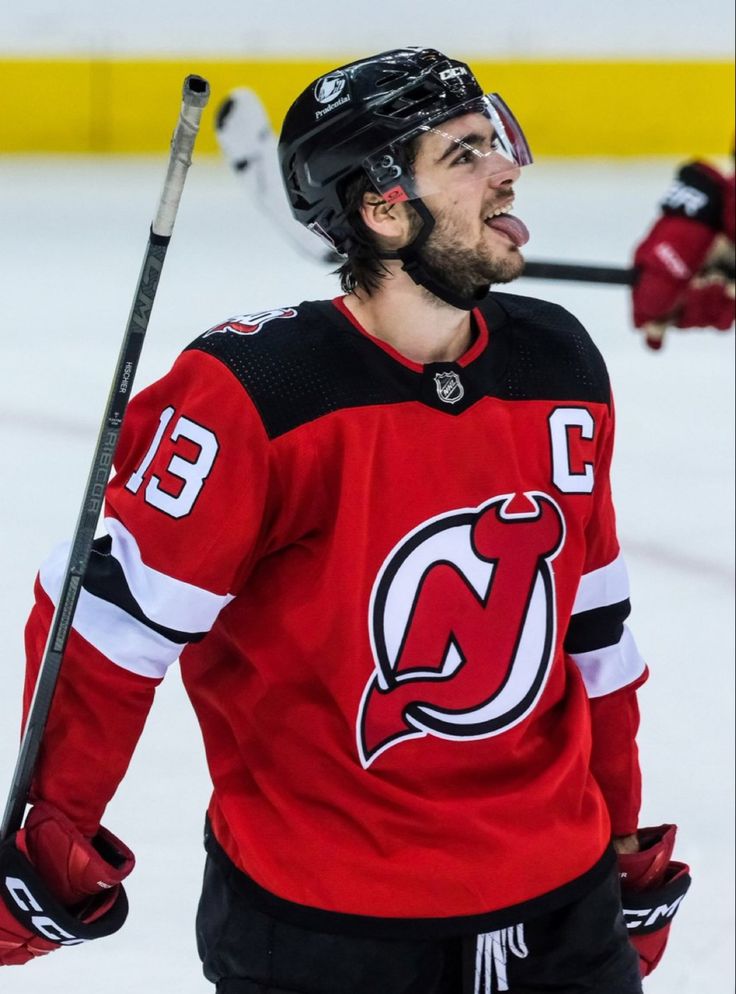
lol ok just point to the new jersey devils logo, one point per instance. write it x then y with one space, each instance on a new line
249 324
463 624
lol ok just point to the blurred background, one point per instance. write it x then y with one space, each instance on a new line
612 98
638 77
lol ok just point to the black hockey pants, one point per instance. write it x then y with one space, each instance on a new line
581 948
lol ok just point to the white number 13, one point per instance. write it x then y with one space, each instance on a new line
192 473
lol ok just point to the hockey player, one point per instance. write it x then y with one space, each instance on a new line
686 262
379 532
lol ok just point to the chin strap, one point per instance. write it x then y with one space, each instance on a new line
423 274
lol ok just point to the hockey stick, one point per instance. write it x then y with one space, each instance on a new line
194 99
614 275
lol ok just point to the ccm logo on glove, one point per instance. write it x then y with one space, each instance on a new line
652 888
635 917
41 923
58 887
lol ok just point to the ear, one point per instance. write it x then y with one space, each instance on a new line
389 222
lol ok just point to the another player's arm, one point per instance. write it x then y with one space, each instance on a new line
174 555
683 279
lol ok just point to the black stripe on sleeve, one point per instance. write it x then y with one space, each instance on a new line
598 628
105 579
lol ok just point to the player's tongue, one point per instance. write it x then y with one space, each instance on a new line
516 230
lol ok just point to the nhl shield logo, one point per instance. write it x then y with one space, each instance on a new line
449 388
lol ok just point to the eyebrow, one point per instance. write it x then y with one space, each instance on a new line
470 142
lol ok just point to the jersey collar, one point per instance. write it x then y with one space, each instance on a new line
477 346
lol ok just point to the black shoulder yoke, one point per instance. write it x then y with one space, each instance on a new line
299 364
303 365
550 354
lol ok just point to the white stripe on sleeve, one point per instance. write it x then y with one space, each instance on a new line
600 587
171 603
125 641
611 668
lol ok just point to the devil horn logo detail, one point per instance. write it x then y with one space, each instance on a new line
250 324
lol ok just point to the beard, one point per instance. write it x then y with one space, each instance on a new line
466 270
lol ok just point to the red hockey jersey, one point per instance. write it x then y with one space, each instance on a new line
398 598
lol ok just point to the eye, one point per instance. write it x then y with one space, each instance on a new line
469 157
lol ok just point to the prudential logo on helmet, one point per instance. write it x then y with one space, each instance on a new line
329 87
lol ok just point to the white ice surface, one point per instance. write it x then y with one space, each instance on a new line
72 235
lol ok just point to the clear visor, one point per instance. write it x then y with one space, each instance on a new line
481 139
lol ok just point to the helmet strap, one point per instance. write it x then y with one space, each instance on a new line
422 274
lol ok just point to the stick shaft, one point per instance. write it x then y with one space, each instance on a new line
543 270
195 94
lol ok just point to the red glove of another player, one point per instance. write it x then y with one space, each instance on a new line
670 256
708 303
58 888
685 263
652 887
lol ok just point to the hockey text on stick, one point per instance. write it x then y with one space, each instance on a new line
195 95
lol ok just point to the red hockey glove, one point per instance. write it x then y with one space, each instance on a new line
669 257
652 887
708 303
58 888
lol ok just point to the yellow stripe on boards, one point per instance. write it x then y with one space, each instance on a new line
620 108
566 107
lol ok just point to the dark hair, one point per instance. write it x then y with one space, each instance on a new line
363 269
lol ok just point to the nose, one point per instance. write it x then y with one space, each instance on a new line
504 175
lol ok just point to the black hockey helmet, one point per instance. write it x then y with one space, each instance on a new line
361 117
